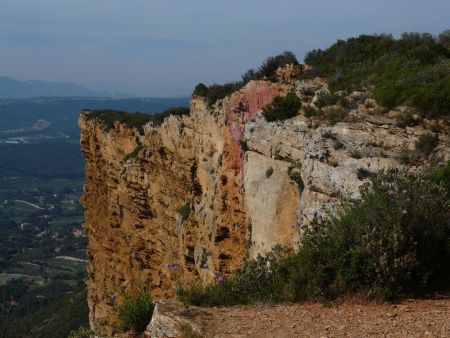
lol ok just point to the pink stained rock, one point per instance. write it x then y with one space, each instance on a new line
240 108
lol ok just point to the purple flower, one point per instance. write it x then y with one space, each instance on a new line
301 226
404 212
205 266
391 193
172 266
220 280
113 296
217 273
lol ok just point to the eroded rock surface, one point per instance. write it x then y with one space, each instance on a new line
170 319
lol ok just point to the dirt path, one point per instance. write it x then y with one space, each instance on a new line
410 318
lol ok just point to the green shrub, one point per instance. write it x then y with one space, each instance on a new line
134 120
282 107
335 114
433 99
442 176
310 111
325 99
136 310
185 211
426 143
269 172
444 38
407 119
134 153
243 145
393 241
217 92
253 282
407 156
356 153
175 111
200 90
295 175
81 332
110 117
270 66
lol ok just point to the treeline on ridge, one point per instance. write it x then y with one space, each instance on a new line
413 70
267 71
134 120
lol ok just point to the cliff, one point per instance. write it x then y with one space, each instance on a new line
198 194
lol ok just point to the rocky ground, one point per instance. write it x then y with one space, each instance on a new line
349 318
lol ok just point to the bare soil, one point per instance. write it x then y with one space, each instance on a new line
349 318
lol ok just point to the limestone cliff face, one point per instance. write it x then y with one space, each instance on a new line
210 189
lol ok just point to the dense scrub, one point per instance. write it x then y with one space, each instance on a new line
217 92
412 70
269 67
333 107
282 107
134 120
266 71
393 241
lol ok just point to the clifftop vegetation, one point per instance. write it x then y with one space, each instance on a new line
267 71
413 70
134 120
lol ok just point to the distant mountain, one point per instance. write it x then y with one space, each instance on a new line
14 89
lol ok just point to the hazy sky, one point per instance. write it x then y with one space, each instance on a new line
165 47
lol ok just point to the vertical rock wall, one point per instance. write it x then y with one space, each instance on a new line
175 213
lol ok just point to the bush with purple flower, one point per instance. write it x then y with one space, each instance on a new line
392 241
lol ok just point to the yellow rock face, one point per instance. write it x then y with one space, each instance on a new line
178 203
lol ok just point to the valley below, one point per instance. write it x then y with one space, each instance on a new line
43 247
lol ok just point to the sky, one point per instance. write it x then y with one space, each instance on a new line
165 47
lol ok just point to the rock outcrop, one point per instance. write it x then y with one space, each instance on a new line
200 193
